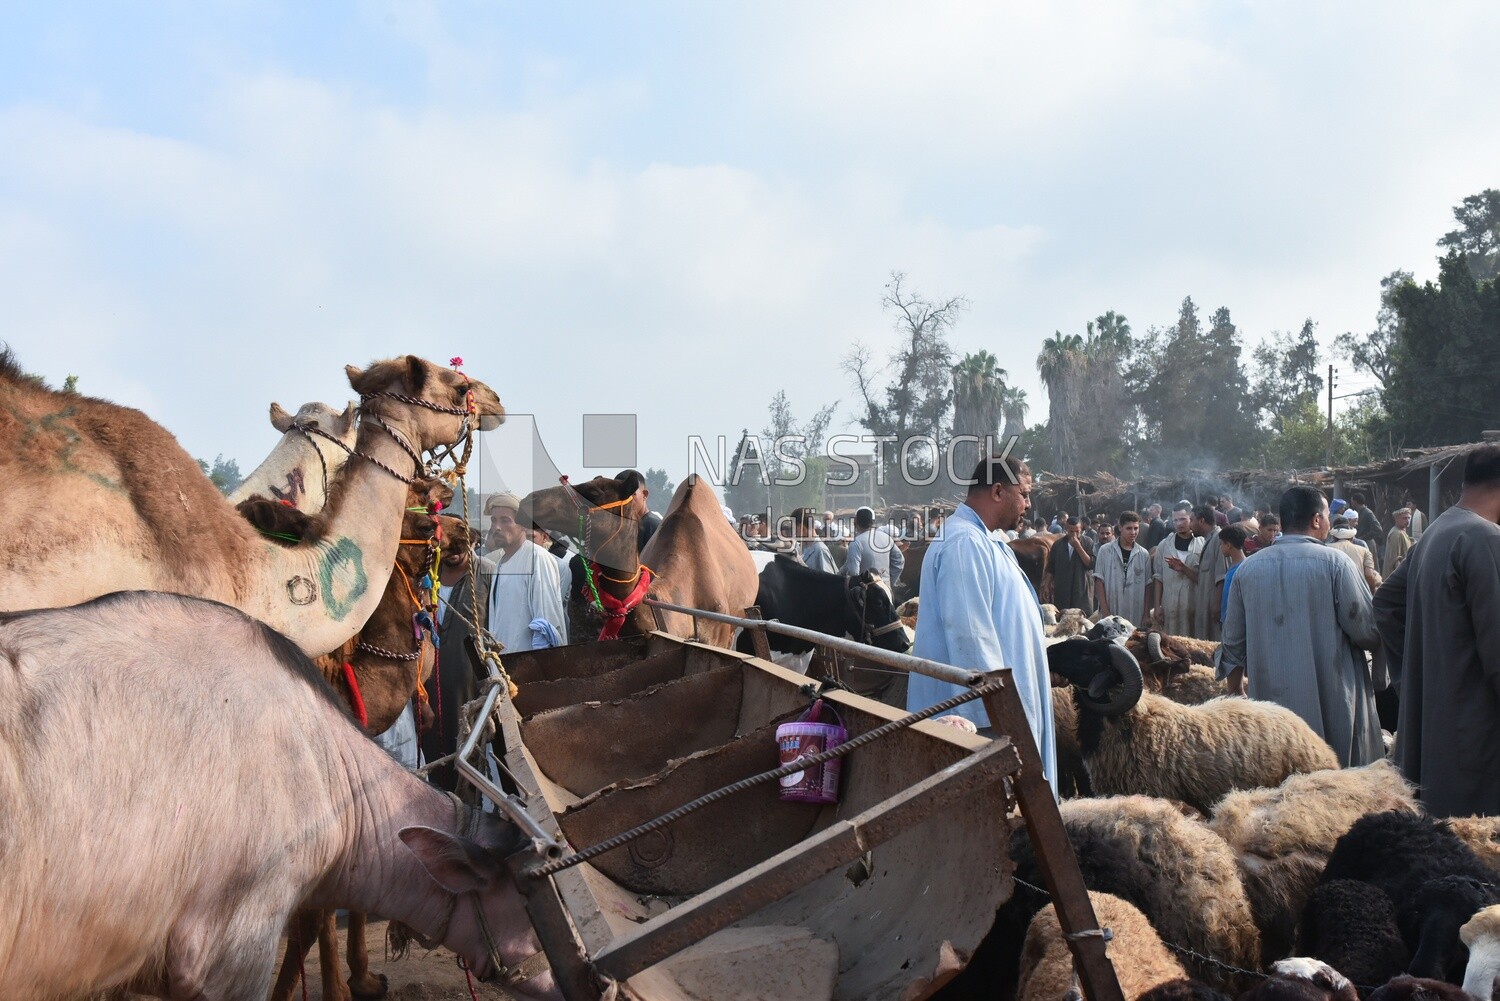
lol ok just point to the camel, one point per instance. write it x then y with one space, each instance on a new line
696 556
387 661
104 499
303 464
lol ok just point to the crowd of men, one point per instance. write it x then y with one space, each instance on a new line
1318 608
1173 572
1306 619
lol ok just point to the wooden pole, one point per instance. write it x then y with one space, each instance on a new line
1049 839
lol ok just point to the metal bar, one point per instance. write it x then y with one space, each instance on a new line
1049 839
906 662
792 869
510 805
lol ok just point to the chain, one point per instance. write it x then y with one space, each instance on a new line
1193 954
800 764
381 651
313 429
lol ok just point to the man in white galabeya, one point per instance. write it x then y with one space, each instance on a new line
978 609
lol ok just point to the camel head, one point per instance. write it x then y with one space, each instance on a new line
557 509
419 522
321 415
438 419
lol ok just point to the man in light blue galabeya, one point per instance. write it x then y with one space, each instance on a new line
978 609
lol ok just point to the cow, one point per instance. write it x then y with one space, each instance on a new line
177 779
835 604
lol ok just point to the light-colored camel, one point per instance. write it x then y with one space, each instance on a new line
696 556
99 498
303 464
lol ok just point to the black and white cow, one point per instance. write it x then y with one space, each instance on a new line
836 604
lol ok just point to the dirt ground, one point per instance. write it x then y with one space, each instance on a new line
421 976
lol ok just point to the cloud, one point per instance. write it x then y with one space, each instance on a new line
610 218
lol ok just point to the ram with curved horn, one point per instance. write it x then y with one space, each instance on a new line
1136 742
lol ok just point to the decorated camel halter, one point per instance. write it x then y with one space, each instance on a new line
465 434
614 610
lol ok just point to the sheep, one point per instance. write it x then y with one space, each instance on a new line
1352 927
1141 961
1183 990
1142 850
1418 989
1049 614
1482 834
1134 742
1282 837
1072 776
1302 979
1482 937
1072 622
1399 851
1432 920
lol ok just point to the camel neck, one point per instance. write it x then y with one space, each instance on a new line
322 594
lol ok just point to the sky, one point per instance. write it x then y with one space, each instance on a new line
675 210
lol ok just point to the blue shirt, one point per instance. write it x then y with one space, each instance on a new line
979 612
1224 601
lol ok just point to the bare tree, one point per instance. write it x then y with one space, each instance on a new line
915 400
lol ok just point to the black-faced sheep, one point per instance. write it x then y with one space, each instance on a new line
1482 834
1419 989
1482 937
1432 920
1184 990
1302 979
1399 851
1134 742
1282 838
1141 961
1351 926
1142 850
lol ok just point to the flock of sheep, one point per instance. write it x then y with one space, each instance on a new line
1228 854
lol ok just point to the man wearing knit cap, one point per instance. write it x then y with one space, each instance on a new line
526 605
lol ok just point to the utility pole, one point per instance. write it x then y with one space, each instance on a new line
1328 453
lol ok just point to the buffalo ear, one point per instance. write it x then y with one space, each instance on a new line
458 865
280 419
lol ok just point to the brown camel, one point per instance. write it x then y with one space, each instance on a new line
303 464
103 499
696 557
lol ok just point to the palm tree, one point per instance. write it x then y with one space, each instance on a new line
1013 405
1061 366
978 405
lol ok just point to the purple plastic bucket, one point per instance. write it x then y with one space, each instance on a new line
808 736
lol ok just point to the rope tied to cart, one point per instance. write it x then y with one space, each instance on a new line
800 764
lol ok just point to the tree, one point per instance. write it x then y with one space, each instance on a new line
1372 352
1013 404
979 396
1477 239
1192 393
661 489
1107 347
746 490
793 448
224 473
914 403
1061 365
70 384
1286 374
1441 388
